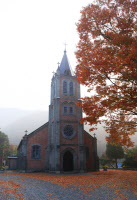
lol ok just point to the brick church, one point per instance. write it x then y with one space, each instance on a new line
61 144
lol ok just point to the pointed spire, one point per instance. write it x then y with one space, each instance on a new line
64 66
58 69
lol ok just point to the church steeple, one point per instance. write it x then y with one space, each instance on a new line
65 133
64 66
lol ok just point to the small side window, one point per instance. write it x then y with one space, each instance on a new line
71 88
71 111
65 110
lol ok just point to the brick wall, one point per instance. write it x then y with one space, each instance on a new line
88 142
12 163
40 137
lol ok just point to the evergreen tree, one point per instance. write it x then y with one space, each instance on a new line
131 158
114 152
4 147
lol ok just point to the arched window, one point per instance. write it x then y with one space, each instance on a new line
35 152
71 88
68 110
67 72
65 110
71 110
64 87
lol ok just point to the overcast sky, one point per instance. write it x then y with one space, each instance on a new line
32 37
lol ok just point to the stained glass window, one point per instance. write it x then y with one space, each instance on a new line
68 131
35 152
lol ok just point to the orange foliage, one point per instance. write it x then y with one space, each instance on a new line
107 64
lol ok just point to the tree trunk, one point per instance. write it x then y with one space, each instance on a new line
2 157
116 163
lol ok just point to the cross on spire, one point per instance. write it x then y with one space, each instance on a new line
58 64
65 46
26 132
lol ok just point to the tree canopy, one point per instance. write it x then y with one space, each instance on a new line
107 65
13 150
131 158
114 152
4 146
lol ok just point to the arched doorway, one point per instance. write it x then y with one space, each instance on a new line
68 161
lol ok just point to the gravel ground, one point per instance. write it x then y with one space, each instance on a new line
18 187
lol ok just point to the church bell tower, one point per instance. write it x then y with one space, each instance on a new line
65 150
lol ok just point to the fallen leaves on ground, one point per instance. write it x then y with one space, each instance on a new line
11 188
116 180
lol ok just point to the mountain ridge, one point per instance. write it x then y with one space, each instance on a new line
15 122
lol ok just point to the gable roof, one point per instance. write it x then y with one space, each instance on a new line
29 135
38 129
90 136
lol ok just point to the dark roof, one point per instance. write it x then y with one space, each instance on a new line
64 66
12 157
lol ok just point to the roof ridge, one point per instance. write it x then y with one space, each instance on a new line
38 129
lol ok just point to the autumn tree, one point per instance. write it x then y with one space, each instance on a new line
12 150
107 65
4 146
114 152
